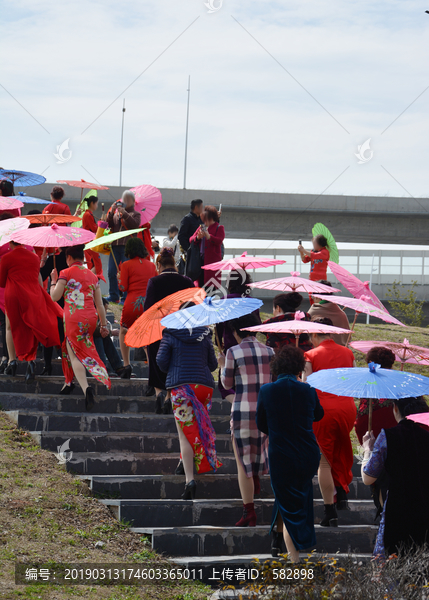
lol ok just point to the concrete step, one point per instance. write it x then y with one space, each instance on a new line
140 369
103 403
52 386
129 463
210 486
217 541
127 441
222 512
92 421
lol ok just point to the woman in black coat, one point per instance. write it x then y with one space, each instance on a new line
285 412
167 282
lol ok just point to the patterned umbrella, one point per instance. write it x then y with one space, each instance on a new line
297 327
52 237
9 227
243 262
211 311
148 329
295 283
404 353
22 178
10 203
148 201
354 285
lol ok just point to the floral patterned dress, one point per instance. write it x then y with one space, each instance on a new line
80 320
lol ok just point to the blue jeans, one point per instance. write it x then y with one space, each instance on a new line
119 253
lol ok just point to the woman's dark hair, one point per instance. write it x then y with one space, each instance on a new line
76 252
323 321
6 188
239 324
381 356
210 214
325 282
289 359
321 240
135 248
288 302
165 259
411 406
57 192
5 216
173 229
236 284
92 200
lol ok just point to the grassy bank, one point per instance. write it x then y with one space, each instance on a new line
48 515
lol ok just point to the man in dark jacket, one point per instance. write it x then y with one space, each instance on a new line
122 216
190 223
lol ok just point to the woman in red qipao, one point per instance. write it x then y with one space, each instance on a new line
31 313
333 431
81 291
88 222
210 237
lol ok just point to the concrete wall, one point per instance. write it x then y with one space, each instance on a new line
247 215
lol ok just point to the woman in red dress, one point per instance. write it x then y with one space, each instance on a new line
57 207
31 314
210 237
88 222
133 279
333 431
81 291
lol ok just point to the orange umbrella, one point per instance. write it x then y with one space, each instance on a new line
148 329
49 219
82 184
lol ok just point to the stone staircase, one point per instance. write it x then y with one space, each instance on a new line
128 454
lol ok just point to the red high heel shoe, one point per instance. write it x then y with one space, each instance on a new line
249 516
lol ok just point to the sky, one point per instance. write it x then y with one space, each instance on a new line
282 93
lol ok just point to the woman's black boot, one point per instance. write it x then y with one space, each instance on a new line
342 502
331 517
160 403
126 373
67 389
3 365
89 399
11 368
190 490
31 371
47 370
277 543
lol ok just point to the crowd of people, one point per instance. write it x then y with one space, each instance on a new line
279 424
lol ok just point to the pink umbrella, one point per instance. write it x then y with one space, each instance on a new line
294 283
354 285
148 201
404 352
10 226
243 262
422 418
53 236
361 305
297 326
7 203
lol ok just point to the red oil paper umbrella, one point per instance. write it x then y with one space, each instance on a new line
49 219
294 283
297 327
354 285
362 305
83 185
404 352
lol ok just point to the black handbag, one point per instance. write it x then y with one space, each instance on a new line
194 262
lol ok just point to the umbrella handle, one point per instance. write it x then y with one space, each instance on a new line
114 258
297 340
370 415
54 259
352 328
219 345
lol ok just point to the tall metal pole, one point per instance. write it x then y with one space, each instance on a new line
122 144
186 140
370 283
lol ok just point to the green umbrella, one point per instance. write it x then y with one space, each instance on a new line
83 206
111 237
320 229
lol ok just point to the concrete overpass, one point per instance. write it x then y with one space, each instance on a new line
257 215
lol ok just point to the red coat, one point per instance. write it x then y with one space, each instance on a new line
56 208
213 248
32 313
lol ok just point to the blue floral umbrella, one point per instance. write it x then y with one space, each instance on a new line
210 312
372 382
22 178
29 199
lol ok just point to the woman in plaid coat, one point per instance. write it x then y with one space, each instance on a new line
246 368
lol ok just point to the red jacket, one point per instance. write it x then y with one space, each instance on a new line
213 247
56 208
